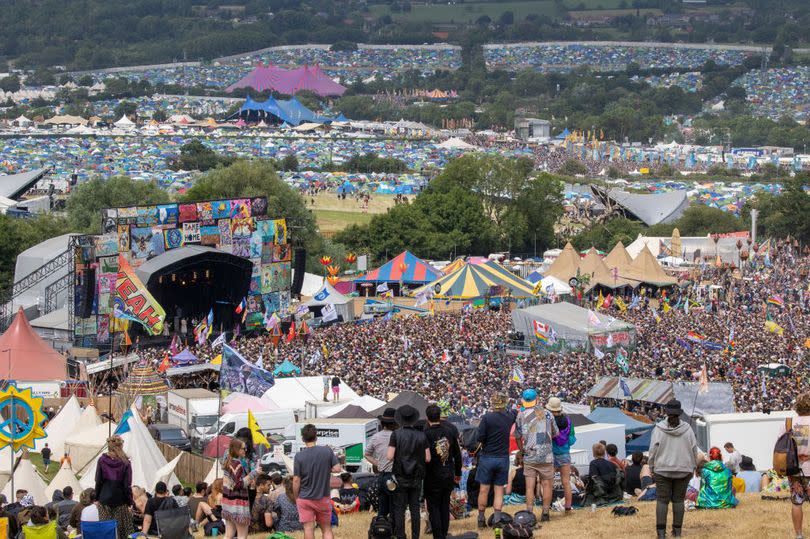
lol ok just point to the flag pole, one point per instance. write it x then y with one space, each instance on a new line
109 384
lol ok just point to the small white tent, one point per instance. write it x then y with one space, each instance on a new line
559 286
27 477
143 453
124 122
85 444
64 478
366 402
88 419
165 472
214 473
60 427
294 393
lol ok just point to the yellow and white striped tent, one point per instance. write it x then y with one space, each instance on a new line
475 280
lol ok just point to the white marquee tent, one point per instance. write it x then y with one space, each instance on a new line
85 444
60 427
294 393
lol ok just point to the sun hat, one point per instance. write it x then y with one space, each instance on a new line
407 415
554 404
673 407
529 398
387 416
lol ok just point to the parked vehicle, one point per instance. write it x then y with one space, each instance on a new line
170 435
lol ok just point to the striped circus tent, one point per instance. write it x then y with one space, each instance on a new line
406 268
472 281
143 379
453 266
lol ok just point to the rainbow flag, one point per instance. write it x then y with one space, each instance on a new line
541 331
776 300
695 336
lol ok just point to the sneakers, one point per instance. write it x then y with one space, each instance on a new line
545 517
676 532
482 521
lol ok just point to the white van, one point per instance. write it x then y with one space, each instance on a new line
272 422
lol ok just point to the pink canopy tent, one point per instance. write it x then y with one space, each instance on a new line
26 357
289 82
241 403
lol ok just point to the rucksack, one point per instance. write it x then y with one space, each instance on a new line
380 528
513 530
525 518
503 520
785 452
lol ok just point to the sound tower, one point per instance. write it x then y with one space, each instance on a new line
88 293
299 265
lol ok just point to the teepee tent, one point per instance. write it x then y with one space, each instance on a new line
26 477
60 427
89 418
66 477
214 473
143 453
566 264
164 473
85 444
618 258
143 380
646 269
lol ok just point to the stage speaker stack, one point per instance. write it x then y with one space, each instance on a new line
88 293
300 266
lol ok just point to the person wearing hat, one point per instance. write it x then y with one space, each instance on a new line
534 430
377 454
409 452
749 474
493 456
561 447
674 456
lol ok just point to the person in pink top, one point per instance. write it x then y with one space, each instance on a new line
799 488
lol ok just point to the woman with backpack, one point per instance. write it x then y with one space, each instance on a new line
673 459
114 486
561 447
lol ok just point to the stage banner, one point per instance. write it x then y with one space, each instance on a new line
136 301
238 374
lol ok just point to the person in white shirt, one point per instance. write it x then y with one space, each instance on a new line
734 459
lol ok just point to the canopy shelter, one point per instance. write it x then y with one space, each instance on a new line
663 207
551 285
352 412
366 402
15 185
409 397
26 357
566 264
406 268
289 81
572 327
124 122
278 111
328 295
185 358
143 379
478 280
614 415
293 393
287 368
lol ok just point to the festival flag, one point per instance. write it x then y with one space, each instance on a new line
683 343
635 302
621 360
773 327
276 335
666 308
445 356
541 331
600 301
219 341
552 338
127 340
593 320
621 304
260 360
325 350
382 287
517 375
655 315
164 365
271 321
291 333
598 353
241 307
329 313
686 306
608 301
135 301
304 331
764 389
776 300
704 380
807 343
173 347
124 426
625 388
237 374
609 342
256 434
695 337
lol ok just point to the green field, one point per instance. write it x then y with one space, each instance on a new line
467 12
331 221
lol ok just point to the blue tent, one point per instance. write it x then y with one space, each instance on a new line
642 443
347 187
185 358
287 368
614 415
534 277
564 134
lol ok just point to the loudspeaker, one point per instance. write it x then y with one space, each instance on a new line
300 266
88 293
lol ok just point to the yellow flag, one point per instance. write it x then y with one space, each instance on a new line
666 307
258 437
325 350
621 304
600 302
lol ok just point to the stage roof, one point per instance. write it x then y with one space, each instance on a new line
650 209
14 185
176 259
289 82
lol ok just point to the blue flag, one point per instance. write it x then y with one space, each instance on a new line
238 374
625 388
124 426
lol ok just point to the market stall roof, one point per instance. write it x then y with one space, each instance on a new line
642 389
614 415
717 399
417 271
185 358
567 319
13 186
143 379
476 280
289 81
286 368
663 207
31 359
558 287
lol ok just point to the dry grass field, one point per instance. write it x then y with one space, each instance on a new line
754 518
334 214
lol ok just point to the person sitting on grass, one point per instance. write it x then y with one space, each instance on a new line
715 484
605 480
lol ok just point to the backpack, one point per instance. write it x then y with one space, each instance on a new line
785 452
380 528
513 530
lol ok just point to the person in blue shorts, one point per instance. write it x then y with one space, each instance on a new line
493 456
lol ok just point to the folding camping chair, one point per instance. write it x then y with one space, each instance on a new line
173 523
105 529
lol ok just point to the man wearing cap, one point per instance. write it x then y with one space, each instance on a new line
534 430
409 452
377 454
493 456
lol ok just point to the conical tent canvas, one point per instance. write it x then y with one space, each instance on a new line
646 269
618 258
88 419
65 477
60 427
85 444
565 266
31 358
143 453
26 477
592 265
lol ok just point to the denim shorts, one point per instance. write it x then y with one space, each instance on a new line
562 460
492 470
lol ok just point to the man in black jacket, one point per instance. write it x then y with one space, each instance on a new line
443 470
408 450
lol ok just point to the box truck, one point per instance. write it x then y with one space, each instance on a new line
272 422
346 435
753 434
193 410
